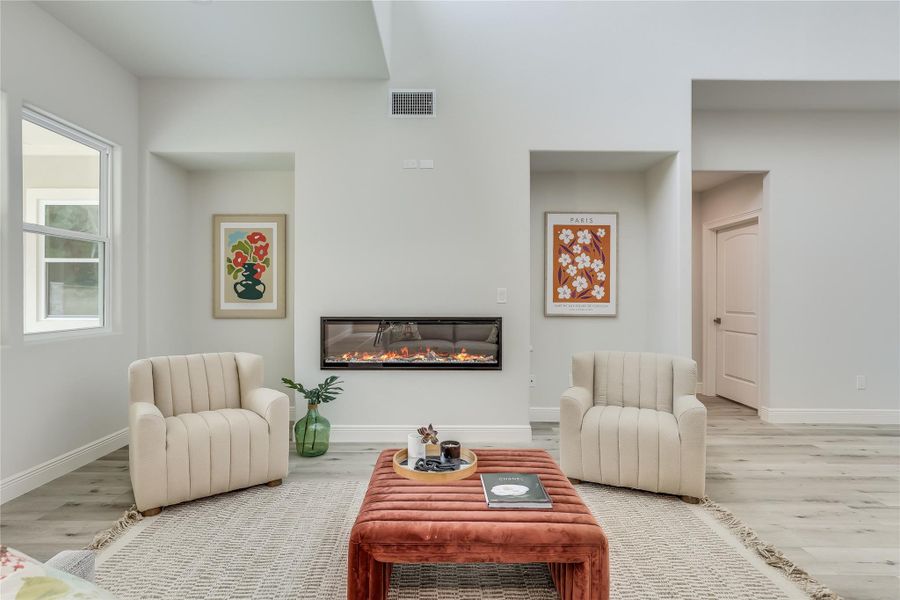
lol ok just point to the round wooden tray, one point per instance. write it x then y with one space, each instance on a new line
440 476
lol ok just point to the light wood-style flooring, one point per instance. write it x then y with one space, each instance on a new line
828 496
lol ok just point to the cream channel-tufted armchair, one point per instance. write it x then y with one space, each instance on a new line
203 424
632 420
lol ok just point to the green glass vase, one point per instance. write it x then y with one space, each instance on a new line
311 433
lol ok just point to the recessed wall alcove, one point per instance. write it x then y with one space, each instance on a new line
184 190
643 188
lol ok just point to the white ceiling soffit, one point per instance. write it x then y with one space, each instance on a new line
796 95
230 161
702 181
232 40
543 161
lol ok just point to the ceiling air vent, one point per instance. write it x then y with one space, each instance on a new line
412 103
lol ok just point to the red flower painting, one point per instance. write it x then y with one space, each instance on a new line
247 261
239 259
261 251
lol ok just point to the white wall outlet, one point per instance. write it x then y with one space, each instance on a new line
426 163
531 380
501 295
860 382
410 163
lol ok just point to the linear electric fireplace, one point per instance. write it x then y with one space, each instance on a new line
411 343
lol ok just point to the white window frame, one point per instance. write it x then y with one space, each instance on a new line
37 321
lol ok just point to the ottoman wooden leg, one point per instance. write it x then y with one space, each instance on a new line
151 512
690 500
574 481
273 483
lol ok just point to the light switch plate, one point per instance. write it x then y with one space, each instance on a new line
501 295
531 381
426 163
860 382
410 163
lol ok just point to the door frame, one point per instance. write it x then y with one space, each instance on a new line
709 287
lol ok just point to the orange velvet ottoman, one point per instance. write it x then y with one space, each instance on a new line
405 521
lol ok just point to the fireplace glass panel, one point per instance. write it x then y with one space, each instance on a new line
411 343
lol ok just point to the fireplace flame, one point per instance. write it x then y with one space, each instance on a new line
404 355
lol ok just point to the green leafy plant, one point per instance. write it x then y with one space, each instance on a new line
326 391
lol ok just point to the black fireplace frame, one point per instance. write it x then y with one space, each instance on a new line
380 366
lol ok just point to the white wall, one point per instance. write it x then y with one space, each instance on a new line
831 208
555 339
735 197
238 192
572 76
169 267
60 395
669 280
696 283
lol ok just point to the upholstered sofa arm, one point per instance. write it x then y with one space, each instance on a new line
146 413
573 405
691 417
147 455
274 407
271 405
690 413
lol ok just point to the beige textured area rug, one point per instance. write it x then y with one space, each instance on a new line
291 542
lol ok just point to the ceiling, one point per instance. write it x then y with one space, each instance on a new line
232 40
555 160
230 161
796 95
706 180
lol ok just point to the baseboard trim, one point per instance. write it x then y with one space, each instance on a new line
29 479
386 434
831 416
543 414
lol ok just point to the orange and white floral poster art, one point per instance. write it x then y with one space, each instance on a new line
581 264
249 269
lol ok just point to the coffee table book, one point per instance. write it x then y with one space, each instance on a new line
515 490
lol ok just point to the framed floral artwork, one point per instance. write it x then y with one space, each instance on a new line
249 266
580 276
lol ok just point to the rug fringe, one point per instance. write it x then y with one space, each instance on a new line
769 553
108 536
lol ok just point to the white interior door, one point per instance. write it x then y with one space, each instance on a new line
737 314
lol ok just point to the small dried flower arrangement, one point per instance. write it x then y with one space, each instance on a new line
429 434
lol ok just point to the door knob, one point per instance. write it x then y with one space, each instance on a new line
717 321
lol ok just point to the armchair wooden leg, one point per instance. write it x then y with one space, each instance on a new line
574 481
273 483
690 500
151 512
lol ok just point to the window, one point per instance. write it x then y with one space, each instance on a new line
65 174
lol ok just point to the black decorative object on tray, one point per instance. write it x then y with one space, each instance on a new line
436 465
450 450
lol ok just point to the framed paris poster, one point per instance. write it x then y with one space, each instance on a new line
249 266
580 278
